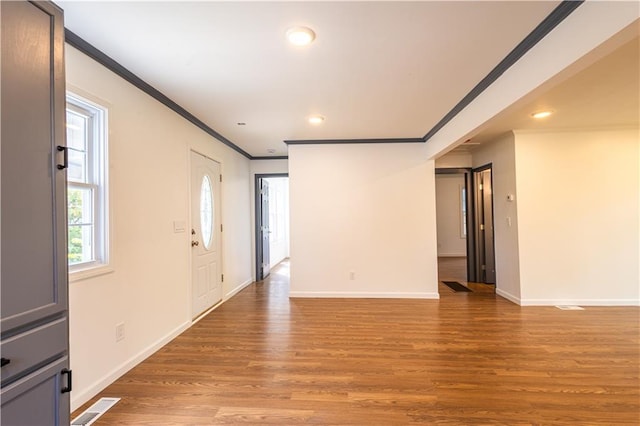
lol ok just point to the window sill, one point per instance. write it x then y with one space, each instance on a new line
90 272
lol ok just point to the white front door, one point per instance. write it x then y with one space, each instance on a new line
206 265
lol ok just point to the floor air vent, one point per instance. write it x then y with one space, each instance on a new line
95 411
570 307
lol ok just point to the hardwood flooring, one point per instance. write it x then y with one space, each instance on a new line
455 269
262 358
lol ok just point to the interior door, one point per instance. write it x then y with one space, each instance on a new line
485 251
206 234
264 228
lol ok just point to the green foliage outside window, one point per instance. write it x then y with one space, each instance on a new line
74 212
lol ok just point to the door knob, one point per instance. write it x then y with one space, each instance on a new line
194 243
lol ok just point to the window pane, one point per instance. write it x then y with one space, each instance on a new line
80 218
77 171
80 244
76 131
206 211
463 212
77 139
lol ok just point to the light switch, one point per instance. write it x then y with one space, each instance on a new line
178 226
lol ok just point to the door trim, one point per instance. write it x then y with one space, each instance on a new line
258 219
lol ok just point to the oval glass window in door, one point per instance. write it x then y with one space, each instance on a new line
206 211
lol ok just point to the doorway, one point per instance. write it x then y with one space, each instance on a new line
206 234
272 221
464 217
453 216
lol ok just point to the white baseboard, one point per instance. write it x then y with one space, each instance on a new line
237 290
580 302
510 297
85 395
363 295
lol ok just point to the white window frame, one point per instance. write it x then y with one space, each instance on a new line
98 183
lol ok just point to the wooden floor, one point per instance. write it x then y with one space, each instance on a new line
455 269
466 359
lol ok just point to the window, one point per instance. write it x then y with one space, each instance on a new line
87 201
463 211
206 211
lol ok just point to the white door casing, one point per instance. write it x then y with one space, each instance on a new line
206 234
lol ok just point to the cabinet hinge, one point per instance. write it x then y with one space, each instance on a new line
220 178
222 278
480 187
221 228
482 226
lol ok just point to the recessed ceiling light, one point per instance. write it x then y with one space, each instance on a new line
541 114
300 36
271 151
316 119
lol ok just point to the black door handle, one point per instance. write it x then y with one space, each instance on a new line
65 163
69 380
4 362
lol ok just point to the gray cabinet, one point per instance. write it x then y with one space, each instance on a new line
35 380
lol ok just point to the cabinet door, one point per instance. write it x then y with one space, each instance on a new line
37 399
33 263
33 230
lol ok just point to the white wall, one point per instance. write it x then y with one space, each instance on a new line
269 166
451 239
149 288
501 154
278 220
578 212
369 209
454 160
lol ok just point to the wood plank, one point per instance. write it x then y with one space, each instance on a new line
262 358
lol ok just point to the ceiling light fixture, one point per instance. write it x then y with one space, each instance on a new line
316 119
541 114
271 151
300 36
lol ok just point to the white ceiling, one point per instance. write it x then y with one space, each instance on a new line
592 93
376 69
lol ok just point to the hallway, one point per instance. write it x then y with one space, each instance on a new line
262 358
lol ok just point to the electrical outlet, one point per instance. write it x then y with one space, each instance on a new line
119 332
